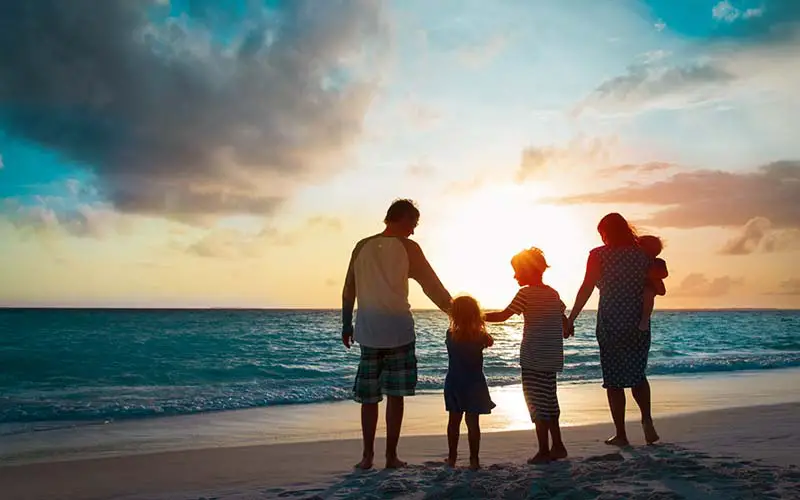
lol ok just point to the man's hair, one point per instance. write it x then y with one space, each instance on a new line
401 209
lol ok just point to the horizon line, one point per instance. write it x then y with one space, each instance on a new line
234 308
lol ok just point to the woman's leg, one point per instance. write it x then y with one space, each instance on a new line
641 393
616 403
474 437
453 433
542 436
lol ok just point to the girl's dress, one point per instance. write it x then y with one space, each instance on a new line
465 387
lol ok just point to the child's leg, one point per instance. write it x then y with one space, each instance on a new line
558 450
648 304
542 436
474 436
453 432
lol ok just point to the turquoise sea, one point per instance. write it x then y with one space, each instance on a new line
84 365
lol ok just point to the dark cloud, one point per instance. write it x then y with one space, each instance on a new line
714 198
759 235
207 113
699 285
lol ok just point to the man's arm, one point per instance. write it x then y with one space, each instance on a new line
348 302
421 271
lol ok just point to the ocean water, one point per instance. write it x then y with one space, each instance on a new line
101 365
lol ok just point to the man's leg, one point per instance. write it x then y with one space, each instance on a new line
400 380
394 421
369 424
366 391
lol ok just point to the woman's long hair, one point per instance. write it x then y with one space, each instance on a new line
616 231
466 320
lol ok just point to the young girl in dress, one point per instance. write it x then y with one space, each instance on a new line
465 387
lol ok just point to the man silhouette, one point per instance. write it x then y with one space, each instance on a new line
378 274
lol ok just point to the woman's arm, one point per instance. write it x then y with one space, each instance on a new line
587 287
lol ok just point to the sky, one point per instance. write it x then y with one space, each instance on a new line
178 153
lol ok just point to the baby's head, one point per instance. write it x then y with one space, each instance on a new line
529 266
466 319
652 245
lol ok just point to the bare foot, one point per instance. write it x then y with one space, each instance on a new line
620 441
395 463
540 458
650 434
474 464
558 452
450 461
365 463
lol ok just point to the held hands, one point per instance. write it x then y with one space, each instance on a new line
347 336
569 327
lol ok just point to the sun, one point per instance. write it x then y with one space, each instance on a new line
477 235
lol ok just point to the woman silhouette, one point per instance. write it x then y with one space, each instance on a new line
619 270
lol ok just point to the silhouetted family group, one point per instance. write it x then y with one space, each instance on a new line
626 269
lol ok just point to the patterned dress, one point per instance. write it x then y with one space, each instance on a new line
623 348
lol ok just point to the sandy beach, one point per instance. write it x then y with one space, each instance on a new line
743 452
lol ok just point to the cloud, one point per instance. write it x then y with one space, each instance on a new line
759 235
788 287
205 113
637 168
725 11
2 165
228 243
657 85
480 54
537 161
421 170
737 58
324 222
84 220
698 285
704 198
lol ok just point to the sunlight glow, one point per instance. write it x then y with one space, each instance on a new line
474 243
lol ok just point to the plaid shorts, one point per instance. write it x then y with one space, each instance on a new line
385 371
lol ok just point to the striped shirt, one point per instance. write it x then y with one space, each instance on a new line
542 347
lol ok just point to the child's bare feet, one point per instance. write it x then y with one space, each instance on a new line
650 434
558 452
474 464
450 461
394 463
540 458
620 441
366 462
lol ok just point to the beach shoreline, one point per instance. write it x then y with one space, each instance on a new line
320 469
582 404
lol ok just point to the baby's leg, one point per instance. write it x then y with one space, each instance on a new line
647 308
474 436
453 433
